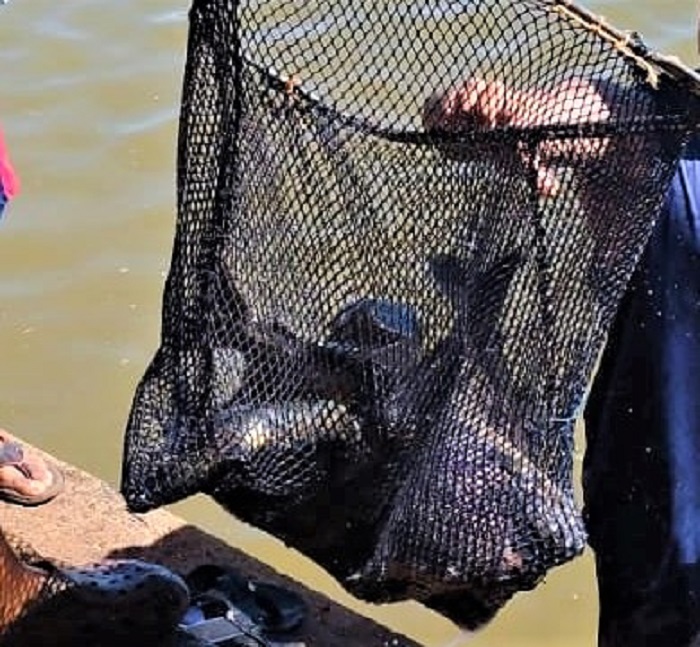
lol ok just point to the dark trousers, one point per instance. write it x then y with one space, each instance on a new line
642 466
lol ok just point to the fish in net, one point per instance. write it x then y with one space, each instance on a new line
382 312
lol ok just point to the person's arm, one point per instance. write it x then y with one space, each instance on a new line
613 174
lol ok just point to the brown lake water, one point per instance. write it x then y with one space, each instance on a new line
89 103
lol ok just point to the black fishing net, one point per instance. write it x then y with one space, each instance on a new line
403 230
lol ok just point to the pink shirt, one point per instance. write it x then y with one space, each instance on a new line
8 178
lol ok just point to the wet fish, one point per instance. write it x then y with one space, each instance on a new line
372 345
493 426
303 471
374 323
311 467
281 446
481 514
288 425
477 299
228 374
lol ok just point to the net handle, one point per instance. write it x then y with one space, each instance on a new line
630 45
302 100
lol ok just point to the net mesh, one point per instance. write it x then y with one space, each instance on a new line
403 230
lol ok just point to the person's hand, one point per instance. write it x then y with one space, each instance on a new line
479 105
475 105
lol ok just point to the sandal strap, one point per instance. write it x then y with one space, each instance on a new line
233 614
11 453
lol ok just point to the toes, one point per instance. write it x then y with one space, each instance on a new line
12 478
30 480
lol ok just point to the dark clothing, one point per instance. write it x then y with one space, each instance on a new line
642 466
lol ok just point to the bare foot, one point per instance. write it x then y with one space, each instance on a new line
25 477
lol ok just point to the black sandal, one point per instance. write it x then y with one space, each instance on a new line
255 613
